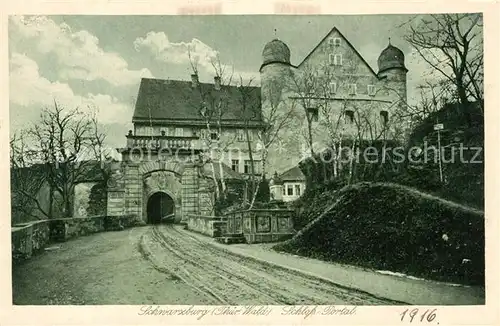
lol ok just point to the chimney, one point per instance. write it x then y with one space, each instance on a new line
217 82
194 80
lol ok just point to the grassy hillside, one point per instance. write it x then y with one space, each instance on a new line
393 227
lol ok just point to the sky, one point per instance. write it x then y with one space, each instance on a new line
98 61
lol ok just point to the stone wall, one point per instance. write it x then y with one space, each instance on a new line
257 225
189 191
261 225
29 239
212 226
133 190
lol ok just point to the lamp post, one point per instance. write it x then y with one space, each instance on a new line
438 127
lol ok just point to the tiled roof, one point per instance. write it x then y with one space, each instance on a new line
175 100
293 174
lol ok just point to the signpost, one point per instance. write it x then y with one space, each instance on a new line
438 127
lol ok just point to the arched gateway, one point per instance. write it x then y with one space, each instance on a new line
160 208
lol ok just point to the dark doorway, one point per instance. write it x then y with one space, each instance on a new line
160 208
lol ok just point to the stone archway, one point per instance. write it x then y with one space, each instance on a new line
160 208
167 182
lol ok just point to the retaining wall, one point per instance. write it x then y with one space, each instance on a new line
256 225
261 225
30 238
213 226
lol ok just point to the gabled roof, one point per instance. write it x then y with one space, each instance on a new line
293 174
335 29
177 100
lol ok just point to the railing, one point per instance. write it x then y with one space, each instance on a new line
157 142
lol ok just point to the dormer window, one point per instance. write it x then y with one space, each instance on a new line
214 135
384 117
371 90
349 116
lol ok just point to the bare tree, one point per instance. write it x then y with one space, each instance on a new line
68 144
452 44
213 107
27 179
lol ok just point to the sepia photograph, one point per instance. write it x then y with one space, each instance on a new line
333 161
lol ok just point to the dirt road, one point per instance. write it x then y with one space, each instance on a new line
165 265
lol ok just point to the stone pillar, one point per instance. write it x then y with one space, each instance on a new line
115 205
189 191
133 190
206 197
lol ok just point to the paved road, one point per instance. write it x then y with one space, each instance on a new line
164 265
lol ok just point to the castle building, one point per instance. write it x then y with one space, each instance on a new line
331 95
186 135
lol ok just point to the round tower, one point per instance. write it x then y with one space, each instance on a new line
275 71
276 78
392 69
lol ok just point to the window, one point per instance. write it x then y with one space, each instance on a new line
241 135
289 190
235 165
284 191
349 116
179 132
334 41
335 59
214 135
297 190
371 90
248 167
257 167
148 131
384 116
333 88
309 88
313 114
352 89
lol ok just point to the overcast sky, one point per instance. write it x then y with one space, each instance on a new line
99 60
